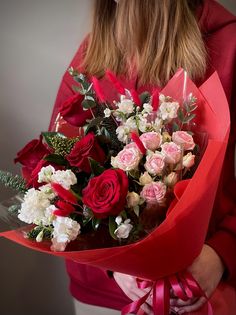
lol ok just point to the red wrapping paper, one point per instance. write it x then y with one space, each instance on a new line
173 245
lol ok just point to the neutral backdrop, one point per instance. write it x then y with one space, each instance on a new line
37 42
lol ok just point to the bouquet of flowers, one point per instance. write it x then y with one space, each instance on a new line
136 178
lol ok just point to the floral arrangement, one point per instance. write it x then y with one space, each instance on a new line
117 174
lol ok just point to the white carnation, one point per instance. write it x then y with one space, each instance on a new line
64 178
34 206
48 215
45 174
123 230
65 230
48 191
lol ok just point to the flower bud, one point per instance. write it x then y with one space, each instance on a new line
39 237
132 199
145 179
188 160
171 179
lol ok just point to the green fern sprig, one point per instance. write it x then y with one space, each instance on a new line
14 182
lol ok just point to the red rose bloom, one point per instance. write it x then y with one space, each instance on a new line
30 156
73 112
106 194
87 147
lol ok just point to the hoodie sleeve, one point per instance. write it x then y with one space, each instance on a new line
65 89
219 26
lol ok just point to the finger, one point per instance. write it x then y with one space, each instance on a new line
199 303
145 307
179 302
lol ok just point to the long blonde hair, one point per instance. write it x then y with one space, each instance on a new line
156 37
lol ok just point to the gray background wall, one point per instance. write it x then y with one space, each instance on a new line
37 41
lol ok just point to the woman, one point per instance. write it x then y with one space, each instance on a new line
144 42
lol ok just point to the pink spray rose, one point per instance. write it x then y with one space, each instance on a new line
154 192
184 139
171 152
128 159
151 140
154 163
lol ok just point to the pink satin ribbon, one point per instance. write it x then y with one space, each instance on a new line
184 287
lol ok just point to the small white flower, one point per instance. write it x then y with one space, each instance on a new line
64 178
162 97
158 123
168 110
147 108
126 106
123 230
122 133
118 220
107 112
131 123
65 230
45 174
143 124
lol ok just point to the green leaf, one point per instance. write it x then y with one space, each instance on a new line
94 123
144 97
112 227
105 132
188 118
123 214
95 223
49 135
187 107
180 115
175 127
96 168
77 89
193 107
55 158
86 220
134 173
136 210
88 103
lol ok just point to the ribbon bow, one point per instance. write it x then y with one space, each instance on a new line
184 287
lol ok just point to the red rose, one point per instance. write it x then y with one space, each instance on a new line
87 147
30 156
32 178
106 194
73 112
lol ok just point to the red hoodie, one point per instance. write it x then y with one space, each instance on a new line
91 285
